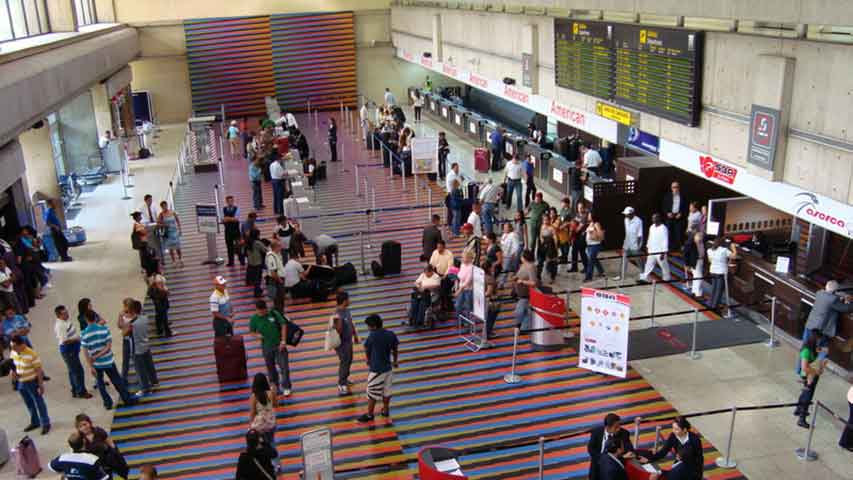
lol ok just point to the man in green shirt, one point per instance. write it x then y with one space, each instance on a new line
535 211
271 327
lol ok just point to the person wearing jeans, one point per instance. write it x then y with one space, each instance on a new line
465 287
277 174
349 336
525 278
68 336
96 341
256 175
455 203
142 359
271 327
514 174
30 380
594 237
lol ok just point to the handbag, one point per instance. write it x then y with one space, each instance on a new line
333 338
294 333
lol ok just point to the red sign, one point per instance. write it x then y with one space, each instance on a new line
717 170
571 116
762 129
516 94
427 62
449 70
408 55
478 81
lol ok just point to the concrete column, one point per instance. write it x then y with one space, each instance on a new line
102 107
530 57
437 54
62 16
773 85
38 158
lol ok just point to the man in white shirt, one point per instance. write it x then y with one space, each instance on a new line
148 209
389 98
591 159
277 175
294 273
474 219
633 232
453 176
514 175
105 139
275 269
656 247
489 200
68 336
718 256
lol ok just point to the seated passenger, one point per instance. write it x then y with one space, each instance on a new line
426 284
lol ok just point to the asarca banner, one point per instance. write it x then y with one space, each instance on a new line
822 211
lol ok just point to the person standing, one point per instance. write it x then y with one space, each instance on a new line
811 367
496 145
56 230
824 314
168 219
464 292
441 258
256 462
525 279
514 174
529 180
598 440
220 308
633 243
68 336
256 175
657 247
443 152
455 202
382 352
474 219
535 211
390 101
271 327
231 221
30 380
674 208
431 237
343 324
290 122
591 159
694 261
418 103
453 176
594 238
96 341
333 139
159 294
234 139
277 174
719 257
285 233
275 274
255 254
575 185
488 197
142 358
511 248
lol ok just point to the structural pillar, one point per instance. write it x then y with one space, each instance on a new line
437 53
530 58
768 130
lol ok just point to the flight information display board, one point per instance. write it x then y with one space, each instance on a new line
584 56
651 69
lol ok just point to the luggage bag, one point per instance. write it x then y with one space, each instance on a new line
390 258
230 353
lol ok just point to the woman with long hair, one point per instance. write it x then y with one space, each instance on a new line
97 441
169 220
262 405
594 238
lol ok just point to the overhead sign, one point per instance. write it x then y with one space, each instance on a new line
207 218
479 286
614 113
763 136
317 461
642 141
604 332
424 155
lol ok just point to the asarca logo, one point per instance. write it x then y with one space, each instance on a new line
571 116
517 95
449 70
427 62
809 206
478 81
717 170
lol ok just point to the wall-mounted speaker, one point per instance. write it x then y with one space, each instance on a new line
509 81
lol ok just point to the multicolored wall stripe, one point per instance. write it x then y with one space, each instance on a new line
239 61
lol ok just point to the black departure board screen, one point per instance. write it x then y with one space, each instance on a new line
654 70
584 56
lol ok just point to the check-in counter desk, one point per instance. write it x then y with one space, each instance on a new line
489 127
458 116
432 104
474 127
755 279
445 108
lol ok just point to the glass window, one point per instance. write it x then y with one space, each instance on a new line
85 12
21 19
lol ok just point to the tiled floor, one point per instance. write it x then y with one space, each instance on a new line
106 270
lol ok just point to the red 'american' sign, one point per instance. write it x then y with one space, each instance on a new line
717 170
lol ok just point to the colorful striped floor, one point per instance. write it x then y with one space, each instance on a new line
193 427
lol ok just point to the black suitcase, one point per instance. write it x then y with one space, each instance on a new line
376 269
320 173
473 191
345 274
144 153
390 257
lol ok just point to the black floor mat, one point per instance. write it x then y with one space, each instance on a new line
721 333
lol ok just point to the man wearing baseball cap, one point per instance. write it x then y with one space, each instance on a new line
220 307
633 242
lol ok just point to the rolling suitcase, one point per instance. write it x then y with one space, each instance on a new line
27 461
345 274
75 236
390 258
230 353
482 160
282 144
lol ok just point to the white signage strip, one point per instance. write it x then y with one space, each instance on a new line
589 122
604 332
822 211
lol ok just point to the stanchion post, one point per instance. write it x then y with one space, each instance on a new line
357 185
728 299
772 342
807 454
403 172
375 211
124 184
693 354
221 174
727 461
429 201
366 194
363 263
541 458
654 296
637 422
415 182
511 377
623 267
657 438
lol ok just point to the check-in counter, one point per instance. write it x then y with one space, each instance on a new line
488 129
557 172
458 117
445 109
474 127
432 104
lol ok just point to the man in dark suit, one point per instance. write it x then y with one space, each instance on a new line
598 438
610 466
674 210
431 236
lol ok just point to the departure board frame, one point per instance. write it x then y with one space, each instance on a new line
656 70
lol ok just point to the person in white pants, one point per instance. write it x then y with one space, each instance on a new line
658 242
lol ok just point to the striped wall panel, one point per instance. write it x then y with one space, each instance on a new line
314 55
230 63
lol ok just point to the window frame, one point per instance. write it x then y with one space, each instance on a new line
24 30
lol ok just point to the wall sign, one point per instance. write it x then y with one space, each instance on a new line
642 141
763 136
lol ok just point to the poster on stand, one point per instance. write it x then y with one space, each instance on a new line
479 293
604 332
424 155
207 218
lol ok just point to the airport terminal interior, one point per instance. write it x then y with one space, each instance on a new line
399 239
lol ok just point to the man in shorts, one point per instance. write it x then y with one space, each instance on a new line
379 348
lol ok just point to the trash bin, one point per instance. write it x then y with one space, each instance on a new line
547 311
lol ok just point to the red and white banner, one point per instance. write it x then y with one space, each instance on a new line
822 211
604 332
